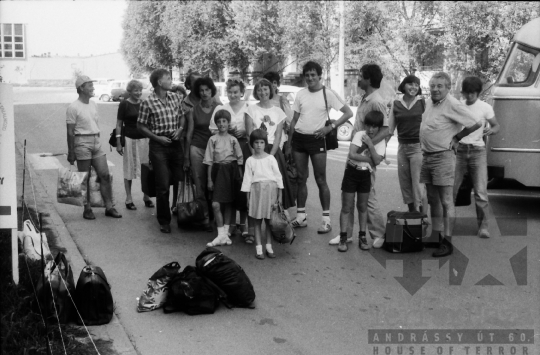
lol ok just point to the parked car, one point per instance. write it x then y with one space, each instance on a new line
116 91
100 86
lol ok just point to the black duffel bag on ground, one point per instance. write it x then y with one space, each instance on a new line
192 293
93 297
228 275
404 232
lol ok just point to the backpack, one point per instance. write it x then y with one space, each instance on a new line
93 297
193 294
227 275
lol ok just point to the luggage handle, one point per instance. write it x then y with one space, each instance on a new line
88 270
408 233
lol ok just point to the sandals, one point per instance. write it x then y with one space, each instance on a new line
149 203
131 206
297 224
219 241
248 238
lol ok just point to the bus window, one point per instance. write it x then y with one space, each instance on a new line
521 67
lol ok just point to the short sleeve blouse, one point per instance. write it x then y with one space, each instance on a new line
271 117
237 119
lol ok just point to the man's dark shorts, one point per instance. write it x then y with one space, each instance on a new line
355 180
307 143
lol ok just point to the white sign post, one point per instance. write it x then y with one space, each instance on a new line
8 174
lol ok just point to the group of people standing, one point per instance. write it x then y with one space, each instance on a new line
237 153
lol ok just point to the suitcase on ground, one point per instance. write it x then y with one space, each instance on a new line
405 231
93 297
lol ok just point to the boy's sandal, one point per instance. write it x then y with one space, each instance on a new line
297 224
218 241
248 239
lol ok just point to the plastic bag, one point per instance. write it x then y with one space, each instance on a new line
155 294
94 184
71 188
31 240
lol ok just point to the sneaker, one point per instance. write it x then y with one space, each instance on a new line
445 249
299 224
378 242
335 241
483 233
363 243
325 227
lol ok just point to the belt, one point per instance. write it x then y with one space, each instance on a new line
471 145
87 135
432 153
358 167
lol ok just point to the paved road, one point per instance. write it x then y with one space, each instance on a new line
311 299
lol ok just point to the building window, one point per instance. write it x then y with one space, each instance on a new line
12 44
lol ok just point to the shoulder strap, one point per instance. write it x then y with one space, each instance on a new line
325 103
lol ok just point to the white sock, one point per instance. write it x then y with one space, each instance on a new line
258 248
326 216
269 248
226 228
221 231
300 216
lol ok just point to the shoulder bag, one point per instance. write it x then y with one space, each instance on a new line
331 138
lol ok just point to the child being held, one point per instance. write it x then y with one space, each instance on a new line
262 181
362 159
224 157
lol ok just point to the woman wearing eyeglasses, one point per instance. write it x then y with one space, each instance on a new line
264 115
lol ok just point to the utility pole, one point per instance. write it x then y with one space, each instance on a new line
341 59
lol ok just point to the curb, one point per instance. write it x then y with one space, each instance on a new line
113 331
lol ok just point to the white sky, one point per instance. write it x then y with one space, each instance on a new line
68 28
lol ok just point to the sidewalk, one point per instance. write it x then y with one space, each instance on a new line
36 198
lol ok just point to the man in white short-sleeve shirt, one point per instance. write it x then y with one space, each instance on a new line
471 153
84 146
307 139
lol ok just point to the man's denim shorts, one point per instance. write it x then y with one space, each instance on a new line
88 147
438 168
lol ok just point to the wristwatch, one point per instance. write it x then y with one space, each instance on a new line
333 126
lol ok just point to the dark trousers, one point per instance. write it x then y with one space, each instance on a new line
168 162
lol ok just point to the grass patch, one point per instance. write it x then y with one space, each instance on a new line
22 331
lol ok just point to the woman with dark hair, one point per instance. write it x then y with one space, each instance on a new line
264 115
406 116
281 102
197 136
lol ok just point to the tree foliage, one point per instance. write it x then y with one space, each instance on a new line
402 36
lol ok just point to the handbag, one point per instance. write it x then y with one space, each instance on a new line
71 188
280 227
56 290
404 231
188 208
155 295
331 138
463 197
112 139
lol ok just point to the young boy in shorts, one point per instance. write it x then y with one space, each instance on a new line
363 158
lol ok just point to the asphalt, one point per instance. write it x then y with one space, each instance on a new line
311 299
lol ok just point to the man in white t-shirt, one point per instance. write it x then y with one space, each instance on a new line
84 144
307 139
471 152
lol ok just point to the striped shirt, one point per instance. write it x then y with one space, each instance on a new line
161 117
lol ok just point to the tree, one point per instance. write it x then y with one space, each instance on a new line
143 45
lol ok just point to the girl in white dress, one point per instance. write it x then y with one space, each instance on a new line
262 181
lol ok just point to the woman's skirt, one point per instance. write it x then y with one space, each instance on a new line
288 198
135 153
263 196
225 178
